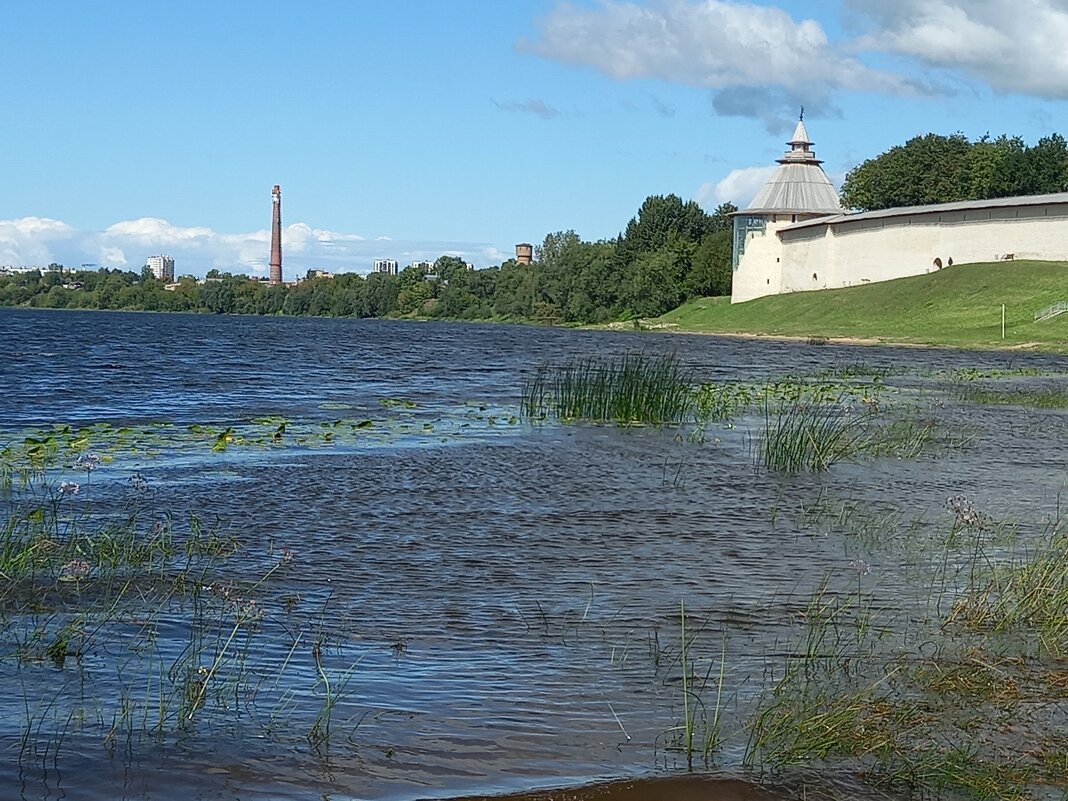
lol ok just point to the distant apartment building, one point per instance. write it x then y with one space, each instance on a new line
387 266
162 268
425 266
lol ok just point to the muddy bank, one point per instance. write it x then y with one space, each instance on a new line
676 788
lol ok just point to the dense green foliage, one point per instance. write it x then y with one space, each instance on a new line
670 251
960 305
944 169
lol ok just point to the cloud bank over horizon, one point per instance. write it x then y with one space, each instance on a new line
40 241
757 61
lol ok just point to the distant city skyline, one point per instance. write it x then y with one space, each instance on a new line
413 130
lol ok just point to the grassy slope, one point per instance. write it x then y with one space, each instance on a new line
960 305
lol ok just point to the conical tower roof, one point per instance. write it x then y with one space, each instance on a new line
799 185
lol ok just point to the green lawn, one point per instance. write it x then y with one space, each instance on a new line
957 306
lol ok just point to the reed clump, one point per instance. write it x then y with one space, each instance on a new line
803 435
636 389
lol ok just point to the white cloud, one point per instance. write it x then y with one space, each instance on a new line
711 43
761 62
1013 45
41 227
110 255
739 187
27 239
35 241
155 232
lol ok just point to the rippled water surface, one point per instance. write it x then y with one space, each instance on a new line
493 604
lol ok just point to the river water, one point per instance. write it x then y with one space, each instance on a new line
494 605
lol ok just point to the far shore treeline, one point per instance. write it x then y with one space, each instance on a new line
670 252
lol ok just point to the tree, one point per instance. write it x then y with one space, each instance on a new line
926 169
711 270
552 252
1047 166
449 268
659 217
942 169
411 299
722 219
217 297
381 297
992 163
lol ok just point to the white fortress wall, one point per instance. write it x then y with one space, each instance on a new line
759 270
809 259
868 250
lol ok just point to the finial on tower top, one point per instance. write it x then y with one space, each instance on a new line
802 114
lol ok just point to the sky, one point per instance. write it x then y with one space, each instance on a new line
410 129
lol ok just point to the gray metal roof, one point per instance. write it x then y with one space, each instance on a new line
799 186
964 205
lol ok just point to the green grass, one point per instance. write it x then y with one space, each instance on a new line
959 306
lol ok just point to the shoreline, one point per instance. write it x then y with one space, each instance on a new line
654 327
650 326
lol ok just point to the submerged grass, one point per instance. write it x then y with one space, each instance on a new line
85 579
1026 592
800 434
1038 398
964 700
700 734
808 424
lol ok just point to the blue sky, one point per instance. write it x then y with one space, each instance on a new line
412 128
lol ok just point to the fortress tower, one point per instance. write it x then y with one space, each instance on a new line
276 235
799 190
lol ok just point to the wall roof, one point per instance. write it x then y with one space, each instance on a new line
1057 198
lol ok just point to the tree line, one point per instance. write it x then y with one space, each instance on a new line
945 169
670 251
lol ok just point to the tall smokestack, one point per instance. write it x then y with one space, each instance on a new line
276 236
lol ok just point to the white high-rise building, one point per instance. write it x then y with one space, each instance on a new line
387 266
162 268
